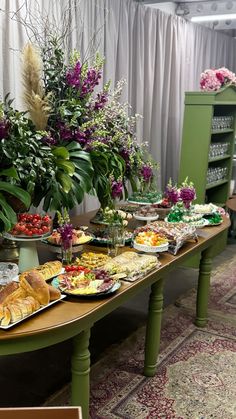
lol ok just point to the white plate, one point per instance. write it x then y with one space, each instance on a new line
151 249
148 218
35 312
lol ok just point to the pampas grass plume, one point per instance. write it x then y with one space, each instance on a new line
34 96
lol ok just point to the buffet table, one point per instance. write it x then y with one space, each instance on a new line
74 317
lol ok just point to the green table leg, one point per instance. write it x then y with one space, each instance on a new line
153 329
203 287
80 367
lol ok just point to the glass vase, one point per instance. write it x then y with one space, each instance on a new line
66 252
116 239
120 236
112 240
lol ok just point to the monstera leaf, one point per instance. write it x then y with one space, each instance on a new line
73 177
7 214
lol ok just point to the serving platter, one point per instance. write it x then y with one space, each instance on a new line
9 326
150 249
79 293
147 218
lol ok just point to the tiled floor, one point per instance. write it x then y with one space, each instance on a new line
28 379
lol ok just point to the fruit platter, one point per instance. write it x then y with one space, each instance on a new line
79 237
81 281
143 198
176 233
31 225
150 241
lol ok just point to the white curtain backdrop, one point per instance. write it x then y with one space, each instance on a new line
160 56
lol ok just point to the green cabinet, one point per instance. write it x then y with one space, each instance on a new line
208 143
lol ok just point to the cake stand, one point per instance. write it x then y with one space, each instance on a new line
148 219
28 253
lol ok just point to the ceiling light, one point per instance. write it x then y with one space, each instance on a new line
211 18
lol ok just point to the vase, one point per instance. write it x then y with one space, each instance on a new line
120 236
116 239
66 252
112 240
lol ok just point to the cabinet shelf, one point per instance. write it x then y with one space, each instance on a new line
198 136
222 131
219 158
217 183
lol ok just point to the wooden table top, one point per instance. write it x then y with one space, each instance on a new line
72 315
231 204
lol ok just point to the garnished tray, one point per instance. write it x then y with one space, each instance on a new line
116 285
81 281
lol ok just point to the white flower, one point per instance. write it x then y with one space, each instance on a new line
122 214
129 216
125 222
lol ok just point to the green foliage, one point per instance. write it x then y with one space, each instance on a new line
7 214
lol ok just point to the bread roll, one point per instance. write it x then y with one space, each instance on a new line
35 303
15 311
54 293
7 317
22 306
1 312
18 293
8 290
35 286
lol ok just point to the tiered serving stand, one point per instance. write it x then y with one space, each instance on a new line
28 253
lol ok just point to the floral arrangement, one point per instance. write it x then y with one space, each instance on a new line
185 194
76 112
72 139
215 79
65 228
116 217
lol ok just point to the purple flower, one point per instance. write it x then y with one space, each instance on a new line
65 132
66 232
187 194
83 137
102 99
116 189
49 140
146 172
90 82
172 193
4 128
73 76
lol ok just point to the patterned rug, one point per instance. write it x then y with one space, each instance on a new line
195 378
222 300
